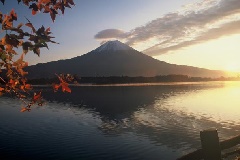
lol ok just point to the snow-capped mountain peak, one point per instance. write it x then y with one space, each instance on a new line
113 46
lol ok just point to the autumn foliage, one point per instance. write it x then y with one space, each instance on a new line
15 37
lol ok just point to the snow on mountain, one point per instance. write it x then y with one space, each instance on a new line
113 46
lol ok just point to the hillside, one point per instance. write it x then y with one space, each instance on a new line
116 59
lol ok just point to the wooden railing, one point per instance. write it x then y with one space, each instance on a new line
211 147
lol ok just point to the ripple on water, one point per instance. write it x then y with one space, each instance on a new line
147 123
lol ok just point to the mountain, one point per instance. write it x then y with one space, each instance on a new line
116 59
113 46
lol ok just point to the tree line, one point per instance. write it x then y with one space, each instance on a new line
127 79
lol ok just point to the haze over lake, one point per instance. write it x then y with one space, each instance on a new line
149 75
119 122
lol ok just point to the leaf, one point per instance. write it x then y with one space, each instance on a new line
1 89
24 109
29 24
28 86
65 87
19 61
22 72
7 22
44 1
25 46
25 86
53 13
34 12
48 30
40 31
12 40
4 40
34 8
63 84
46 9
13 82
36 50
9 48
37 96
56 87
26 2
13 15
62 8
33 38
22 88
71 2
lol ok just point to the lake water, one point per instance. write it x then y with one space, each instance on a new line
159 122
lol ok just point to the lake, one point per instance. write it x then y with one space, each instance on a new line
157 122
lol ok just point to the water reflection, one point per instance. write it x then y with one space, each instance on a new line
116 103
152 122
169 115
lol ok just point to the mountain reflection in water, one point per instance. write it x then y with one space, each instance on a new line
127 122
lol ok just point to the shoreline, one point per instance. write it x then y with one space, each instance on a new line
137 84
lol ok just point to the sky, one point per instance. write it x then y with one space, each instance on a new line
201 33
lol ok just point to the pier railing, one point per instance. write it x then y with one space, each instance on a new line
211 147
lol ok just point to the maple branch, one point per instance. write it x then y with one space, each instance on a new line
2 80
16 38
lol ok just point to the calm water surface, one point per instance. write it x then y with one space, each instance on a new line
125 122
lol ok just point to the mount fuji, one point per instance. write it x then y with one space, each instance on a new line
113 46
114 58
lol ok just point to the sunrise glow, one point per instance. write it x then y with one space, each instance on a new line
119 79
217 54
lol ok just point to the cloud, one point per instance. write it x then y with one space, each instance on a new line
110 33
193 24
214 33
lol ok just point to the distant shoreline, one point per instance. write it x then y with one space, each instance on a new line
137 84
134 81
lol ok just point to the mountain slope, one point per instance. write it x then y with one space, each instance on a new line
116 59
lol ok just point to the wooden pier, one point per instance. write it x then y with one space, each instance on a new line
211 147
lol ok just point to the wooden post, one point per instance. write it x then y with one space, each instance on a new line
210 144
